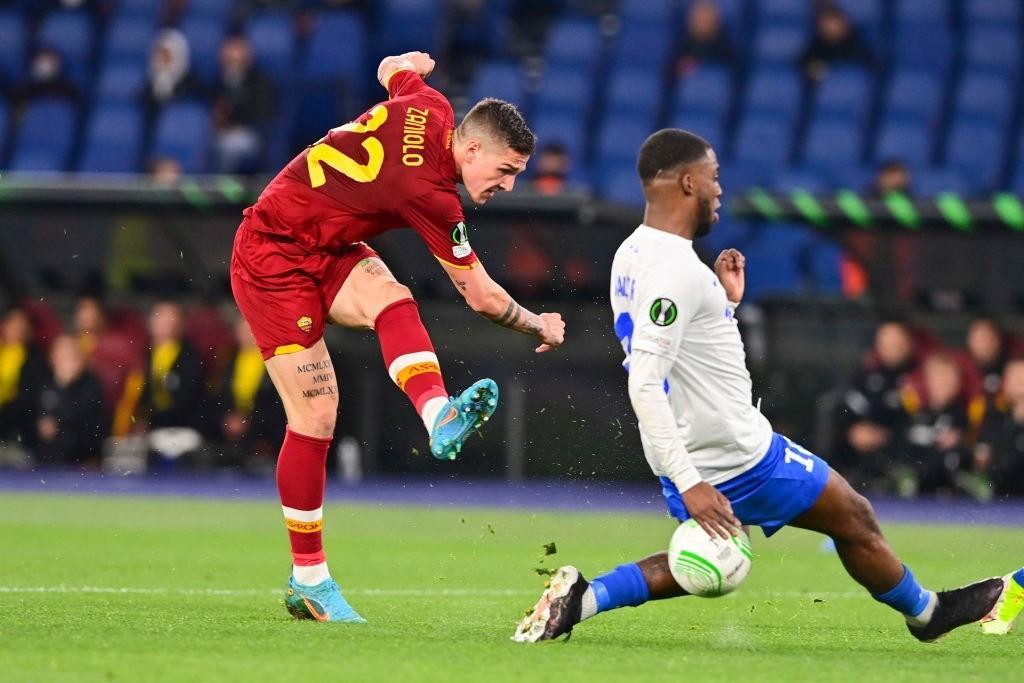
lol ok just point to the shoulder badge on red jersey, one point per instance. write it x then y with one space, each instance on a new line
460 238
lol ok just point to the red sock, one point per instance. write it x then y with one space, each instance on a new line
408 353
301 477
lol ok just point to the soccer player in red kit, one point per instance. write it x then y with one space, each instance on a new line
299 263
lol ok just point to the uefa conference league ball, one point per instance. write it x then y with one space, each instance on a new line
708 566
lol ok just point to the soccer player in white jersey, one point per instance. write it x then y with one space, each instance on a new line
716 455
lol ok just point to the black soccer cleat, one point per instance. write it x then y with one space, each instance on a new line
958 607
558 610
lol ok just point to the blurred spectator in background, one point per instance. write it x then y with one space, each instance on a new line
875 417
46 78
23 373
937 431
73 419
552 164
835 41
705 40
999 455
252 417
165 172
174 376
893 175
115 359
243 108
986 346
169 77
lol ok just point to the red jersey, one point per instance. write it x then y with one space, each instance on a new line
390 168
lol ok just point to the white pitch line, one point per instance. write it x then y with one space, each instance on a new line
382 592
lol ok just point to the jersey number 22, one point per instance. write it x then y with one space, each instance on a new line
323 153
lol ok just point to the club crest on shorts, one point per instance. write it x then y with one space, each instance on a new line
460 238
305 323
663 312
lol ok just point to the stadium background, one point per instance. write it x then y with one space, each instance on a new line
108 192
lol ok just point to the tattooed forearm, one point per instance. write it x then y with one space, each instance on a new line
517 318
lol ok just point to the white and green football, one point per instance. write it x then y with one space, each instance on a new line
708 566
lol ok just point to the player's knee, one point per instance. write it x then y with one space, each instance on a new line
392 292
862 527
319 416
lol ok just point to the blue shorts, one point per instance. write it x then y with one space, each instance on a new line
780 488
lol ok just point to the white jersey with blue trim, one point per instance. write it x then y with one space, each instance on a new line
678 329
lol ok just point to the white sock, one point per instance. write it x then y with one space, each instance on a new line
926 614
311 575
589 606
431 409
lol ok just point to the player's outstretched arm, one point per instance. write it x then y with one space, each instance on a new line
489 299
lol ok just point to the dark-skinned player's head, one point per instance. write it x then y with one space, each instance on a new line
678 168
491 147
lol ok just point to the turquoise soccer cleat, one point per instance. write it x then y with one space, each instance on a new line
322 602
463 415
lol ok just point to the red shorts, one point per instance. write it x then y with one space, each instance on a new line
286 292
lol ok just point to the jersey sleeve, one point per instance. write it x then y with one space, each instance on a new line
405 82
666 303
438 219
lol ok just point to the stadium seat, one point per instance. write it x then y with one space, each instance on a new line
707 90
771 12
915 94
573 42
336 49
1002 13
646 12
622 186
204 38
149 9
984 96
404 25
619 140
565 91
763 141
272 37
774 91
779 45
928 182
45 136
643 45
833 141
779 250
113 140
120 82
975 149
845 91
71 34
904 139
709 126
12 46
922 11
214 11
634 91
129 38
504 80
989 48
927 45
183 133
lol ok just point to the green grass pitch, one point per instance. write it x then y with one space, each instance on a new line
191 590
